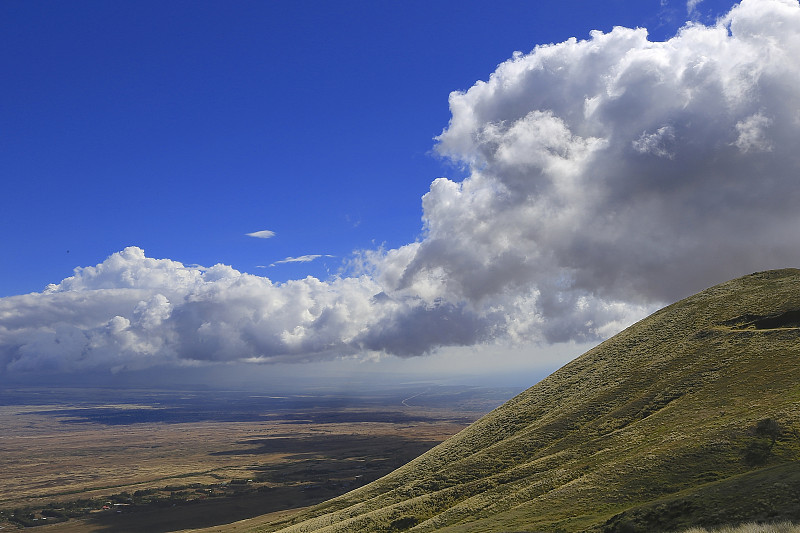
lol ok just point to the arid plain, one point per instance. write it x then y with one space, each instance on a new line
150 460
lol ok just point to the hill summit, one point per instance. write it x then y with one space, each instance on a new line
689 417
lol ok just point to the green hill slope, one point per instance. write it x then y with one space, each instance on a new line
689 417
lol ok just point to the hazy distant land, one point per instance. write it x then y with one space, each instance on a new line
168 460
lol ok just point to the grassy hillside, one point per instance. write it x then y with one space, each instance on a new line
782 527
690 417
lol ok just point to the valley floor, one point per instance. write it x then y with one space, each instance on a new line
95 460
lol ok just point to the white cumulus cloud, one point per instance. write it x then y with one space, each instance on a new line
605 177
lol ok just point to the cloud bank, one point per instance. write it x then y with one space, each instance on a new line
605 176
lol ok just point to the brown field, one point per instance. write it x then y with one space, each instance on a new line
162 461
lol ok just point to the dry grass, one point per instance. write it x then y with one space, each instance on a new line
782 527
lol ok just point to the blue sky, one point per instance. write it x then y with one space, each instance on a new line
446 187
179 127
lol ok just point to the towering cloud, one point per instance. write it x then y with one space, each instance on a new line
606 176
621 168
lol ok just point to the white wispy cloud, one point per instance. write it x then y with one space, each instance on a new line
691 6
606 177
300 259
263 234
